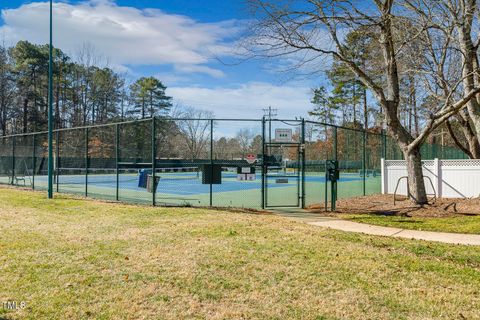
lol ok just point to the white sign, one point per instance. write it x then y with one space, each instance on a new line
246 169
283 135
247 177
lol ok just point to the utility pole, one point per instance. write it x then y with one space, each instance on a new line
270 113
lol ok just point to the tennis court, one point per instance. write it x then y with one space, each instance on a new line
186 188
285 161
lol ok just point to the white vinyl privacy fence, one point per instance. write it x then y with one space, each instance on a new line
449 178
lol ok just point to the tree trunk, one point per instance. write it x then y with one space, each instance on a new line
57 104
416 185
412 155
415 116
470 63
151 104
25 115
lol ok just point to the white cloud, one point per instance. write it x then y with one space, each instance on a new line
125 35
200 69
248 100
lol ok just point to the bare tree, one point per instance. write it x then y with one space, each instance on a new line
194 129
303 28
449 67
245 138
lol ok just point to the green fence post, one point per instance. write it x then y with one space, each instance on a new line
34 160
211 162
57 158
50 107
154 162
117 156
335 144
333 195
303 163
263 164
86 162
364 164
335 157
326 186
384 144
347 148
13 160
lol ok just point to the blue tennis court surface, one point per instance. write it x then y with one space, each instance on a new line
188 185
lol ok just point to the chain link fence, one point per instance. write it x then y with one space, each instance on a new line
205 162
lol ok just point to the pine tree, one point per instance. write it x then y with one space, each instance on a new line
148 97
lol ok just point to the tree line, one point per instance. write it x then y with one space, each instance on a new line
84 93
417 59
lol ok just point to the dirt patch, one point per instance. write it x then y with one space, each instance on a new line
383 205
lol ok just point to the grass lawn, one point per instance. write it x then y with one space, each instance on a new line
82 259
459 224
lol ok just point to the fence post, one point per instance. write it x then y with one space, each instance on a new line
364 160
384 144
57 157
437 171
117 155
13 160
384 176
335 144
154 162
211 162
86 161
347 144
303 163
34 160
326 187
263 164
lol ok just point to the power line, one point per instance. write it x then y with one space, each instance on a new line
270 112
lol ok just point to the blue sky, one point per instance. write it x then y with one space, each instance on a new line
178 41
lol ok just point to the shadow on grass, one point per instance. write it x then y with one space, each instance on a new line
362 219
403 212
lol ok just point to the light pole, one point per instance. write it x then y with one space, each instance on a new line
50 108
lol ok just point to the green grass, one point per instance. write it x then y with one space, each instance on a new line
459 224
82 259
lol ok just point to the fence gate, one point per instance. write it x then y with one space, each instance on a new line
283 174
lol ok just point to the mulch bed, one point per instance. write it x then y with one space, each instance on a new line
383 205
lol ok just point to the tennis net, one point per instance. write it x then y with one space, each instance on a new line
109 175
